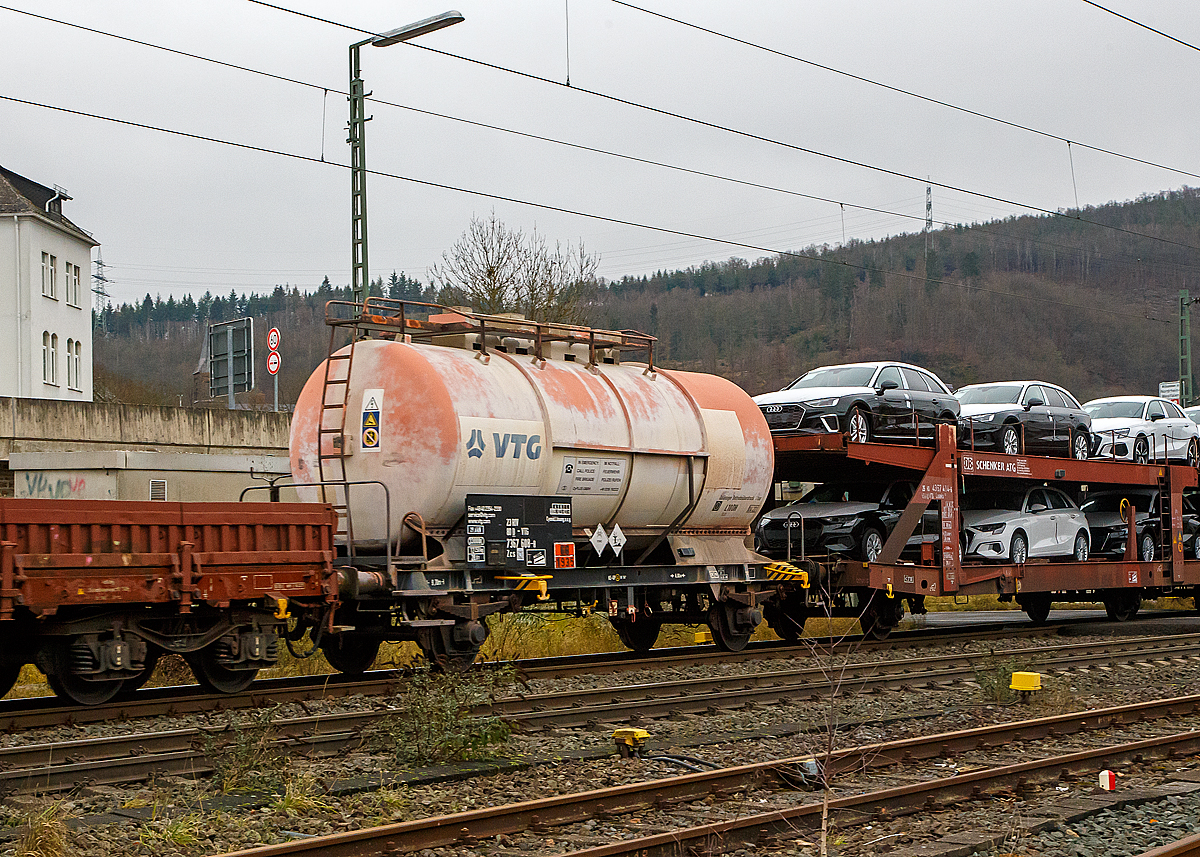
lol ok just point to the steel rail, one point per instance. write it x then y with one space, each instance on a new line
17 715
1186 847
44 768
467 828
31 713
932 795
584 707
567 666
111 760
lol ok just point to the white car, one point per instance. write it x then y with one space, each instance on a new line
1016 525
1142 429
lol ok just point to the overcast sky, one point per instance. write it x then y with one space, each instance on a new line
177 215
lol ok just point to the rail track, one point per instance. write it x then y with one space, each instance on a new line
1189 847
37 712
541 816
110 760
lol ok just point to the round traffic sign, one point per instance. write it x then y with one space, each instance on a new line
273 339
273 362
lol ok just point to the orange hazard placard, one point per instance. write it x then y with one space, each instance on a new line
564 554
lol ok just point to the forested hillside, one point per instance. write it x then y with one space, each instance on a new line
1057 298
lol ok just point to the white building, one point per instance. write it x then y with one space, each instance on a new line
45 299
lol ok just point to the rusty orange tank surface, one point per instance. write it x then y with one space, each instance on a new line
436 423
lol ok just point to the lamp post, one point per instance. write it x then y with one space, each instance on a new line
359 271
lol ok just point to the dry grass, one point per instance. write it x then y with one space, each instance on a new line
30 682
533 635
513 636
302 795
947 604
44 833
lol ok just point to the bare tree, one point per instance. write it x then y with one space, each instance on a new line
494 269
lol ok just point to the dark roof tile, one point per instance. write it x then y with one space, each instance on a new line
19 195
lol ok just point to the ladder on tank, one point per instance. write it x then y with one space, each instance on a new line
331 436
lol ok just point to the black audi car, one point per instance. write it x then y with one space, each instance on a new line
1019 417
870 401
854 519
1109 531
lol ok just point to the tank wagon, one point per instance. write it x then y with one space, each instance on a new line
480 464
456 466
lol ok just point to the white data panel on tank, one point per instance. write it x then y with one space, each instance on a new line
592 475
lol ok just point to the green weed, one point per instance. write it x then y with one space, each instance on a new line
244 754
994 677
301 796
436 721
181 832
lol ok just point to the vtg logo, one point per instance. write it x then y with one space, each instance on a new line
532 444
475 445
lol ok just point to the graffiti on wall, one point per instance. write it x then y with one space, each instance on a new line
53 488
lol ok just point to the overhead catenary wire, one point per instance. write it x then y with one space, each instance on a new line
1143 26
578 146
749 135
575 212
911 94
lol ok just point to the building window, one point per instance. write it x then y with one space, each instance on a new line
78 362
50 357
50 276
71 279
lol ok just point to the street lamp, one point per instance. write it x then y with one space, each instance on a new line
359 271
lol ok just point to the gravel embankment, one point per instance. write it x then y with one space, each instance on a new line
178 816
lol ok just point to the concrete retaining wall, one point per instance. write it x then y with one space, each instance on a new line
42 425
94 451
115 475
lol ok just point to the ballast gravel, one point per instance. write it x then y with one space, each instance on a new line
1115 833
161 818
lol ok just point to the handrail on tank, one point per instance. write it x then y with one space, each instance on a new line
392 312
387 507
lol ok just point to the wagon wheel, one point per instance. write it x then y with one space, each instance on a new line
722 622
880 616
215 676
787 619
1037 607
350 653
132 684
443 651
74 688
1123 606
640 635
71 661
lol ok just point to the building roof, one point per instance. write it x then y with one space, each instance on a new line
19 195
